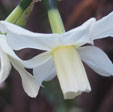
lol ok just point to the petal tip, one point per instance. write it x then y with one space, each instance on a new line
33 93
72 94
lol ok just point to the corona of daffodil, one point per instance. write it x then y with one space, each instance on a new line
64 52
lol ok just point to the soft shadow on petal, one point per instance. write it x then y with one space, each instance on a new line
31 63
5 66
19 38
102 28
97 60
29 83
6 48
37 60
78 36
45 71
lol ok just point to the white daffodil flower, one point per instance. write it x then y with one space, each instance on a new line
8 57
65 51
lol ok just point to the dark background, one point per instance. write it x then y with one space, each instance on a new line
50 98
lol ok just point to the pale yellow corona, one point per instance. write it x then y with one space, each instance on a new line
70 72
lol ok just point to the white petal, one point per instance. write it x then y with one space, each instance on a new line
29 83
45 71
31 63
97 60
102 28
71 73
19 38
5 47
78 36
5 67
37 60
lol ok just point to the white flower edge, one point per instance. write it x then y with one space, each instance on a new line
30 85
7 56
42 70
97 60
81 35
5 66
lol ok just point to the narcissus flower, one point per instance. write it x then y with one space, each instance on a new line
8 57
65 51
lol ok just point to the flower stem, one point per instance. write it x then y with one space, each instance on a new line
25 3
18 11
12 18
70 70
54 16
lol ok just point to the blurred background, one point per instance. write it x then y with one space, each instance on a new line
50 98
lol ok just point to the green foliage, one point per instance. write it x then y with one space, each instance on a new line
53 92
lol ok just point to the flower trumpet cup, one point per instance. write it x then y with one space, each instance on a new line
70 72
65 52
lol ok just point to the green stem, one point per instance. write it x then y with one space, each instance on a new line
22 20
17 12
12 18
25 3
54 16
